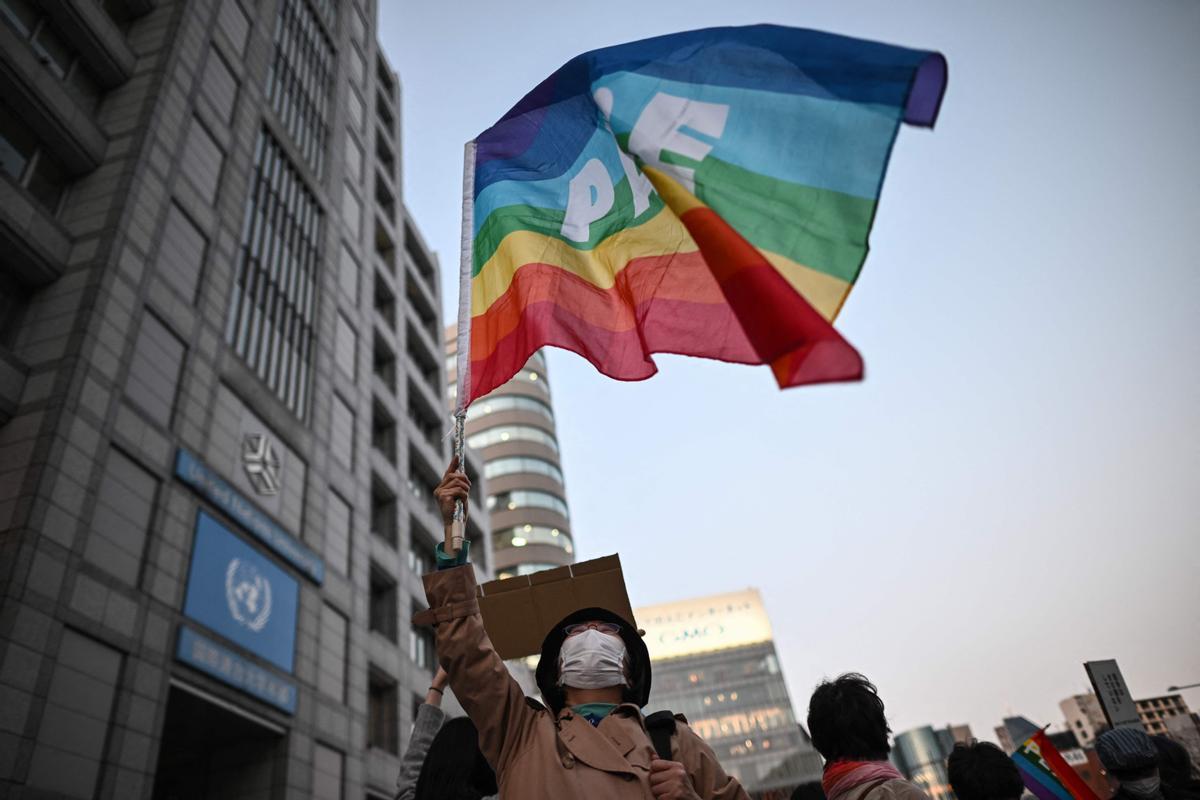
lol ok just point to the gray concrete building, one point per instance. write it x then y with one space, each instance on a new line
221 403
513 433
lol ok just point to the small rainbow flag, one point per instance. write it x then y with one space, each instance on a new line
1047 774
706 193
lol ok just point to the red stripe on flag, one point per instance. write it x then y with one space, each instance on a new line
1062 770
785 331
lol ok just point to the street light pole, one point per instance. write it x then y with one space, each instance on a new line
1180 688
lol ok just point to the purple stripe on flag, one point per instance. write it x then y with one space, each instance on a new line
928 88
1045 786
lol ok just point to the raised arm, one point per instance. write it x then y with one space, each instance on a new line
481 682
428 723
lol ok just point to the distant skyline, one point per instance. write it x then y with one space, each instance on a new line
1015 486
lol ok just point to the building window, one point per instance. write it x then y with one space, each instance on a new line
421 648
342 432
348 271
220 84
26 161
331 654
384 363
124 504
523 535
383 608
421 560
358 66
383 729
352 211
327 773
383 511
524 569
154 370
383 431
385 301
337 533
345 346
512 402
54 52
181 254
526 499
271 315
354 105
420 486
300 80
512 433
201 160
74 727
354 159
521 464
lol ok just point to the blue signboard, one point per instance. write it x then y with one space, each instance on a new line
240 594
216 490
226 665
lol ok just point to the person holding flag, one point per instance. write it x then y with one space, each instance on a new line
706 193
594 672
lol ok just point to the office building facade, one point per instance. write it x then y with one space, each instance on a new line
921 753
512 432
1156 711
714 662
221 407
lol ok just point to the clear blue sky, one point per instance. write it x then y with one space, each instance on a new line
1015 487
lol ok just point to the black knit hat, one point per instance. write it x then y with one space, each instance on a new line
1126 750
638 692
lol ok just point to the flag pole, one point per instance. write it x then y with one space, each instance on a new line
458 529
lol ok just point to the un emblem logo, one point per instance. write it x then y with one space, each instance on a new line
261 463
248 593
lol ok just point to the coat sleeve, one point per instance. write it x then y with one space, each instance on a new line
491 697
708 778
429 722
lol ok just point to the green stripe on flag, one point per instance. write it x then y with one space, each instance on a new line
819 228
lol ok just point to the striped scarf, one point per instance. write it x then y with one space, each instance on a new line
842 776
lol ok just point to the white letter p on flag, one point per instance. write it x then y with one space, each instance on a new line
582 208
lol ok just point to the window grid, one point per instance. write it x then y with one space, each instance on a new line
271 313
300 80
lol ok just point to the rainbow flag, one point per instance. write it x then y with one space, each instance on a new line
706 193
1047 774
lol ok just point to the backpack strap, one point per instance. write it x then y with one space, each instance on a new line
661 727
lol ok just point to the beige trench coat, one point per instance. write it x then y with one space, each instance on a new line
534 752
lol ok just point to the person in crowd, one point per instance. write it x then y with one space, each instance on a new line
594 674
1175 767
849 730
1130 761
443 761
982 771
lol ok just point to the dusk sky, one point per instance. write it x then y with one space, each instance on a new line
1015 486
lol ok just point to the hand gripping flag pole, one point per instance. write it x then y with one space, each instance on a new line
458 529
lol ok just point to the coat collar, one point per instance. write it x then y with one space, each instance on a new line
618 744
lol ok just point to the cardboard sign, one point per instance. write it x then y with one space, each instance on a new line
519 612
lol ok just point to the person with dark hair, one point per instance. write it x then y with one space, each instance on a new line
1175 767
594 674
850 731
1131 763
443 758
982 771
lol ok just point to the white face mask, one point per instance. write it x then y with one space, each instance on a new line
592 660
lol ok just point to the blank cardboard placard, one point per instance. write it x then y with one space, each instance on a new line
519 612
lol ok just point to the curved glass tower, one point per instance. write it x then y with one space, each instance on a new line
512 430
